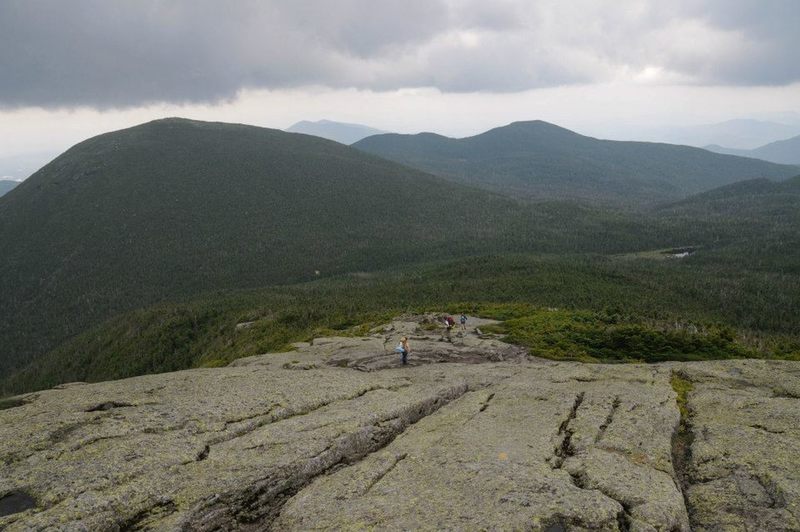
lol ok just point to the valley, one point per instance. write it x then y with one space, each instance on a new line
154 254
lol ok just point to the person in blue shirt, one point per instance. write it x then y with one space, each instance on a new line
403 349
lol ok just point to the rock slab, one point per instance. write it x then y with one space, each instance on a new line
472 435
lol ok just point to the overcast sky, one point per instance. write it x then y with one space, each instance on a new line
72 69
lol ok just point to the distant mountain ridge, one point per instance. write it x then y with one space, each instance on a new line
739 133
543 161
337 131
7 186
781 152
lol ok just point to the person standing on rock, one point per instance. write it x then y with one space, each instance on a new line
463 320
448 327
404 350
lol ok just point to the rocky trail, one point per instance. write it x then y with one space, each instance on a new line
473 434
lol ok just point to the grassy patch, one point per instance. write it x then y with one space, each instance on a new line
682 387
588 336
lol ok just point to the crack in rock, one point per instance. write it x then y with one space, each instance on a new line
272 415
108 405
203 454
609 419
396 460
259 504
147 518
681 442
92 441
766 429
565 450
485 404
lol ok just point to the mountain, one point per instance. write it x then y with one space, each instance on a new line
739 134
338 131
716 148
20 166
781 151
755 224
175 208
757 198
7 186
544 161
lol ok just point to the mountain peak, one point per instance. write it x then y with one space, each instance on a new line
172 121
534 123
181 206
525 128
545 161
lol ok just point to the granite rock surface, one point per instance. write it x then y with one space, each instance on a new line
472 434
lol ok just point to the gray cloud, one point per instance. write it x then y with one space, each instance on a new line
117 54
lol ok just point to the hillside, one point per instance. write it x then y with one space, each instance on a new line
755 193
174 208
543 161
7 186
337 131
178 207
755 224
752 204
655 298
782 151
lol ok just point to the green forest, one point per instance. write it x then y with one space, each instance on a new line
139 251
590 308
539 160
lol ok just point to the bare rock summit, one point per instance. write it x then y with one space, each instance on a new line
474 434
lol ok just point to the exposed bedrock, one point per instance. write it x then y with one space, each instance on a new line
745 456
472 435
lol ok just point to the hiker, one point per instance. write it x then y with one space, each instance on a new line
403 349
463 320
448 327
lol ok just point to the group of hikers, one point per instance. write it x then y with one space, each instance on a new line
449 323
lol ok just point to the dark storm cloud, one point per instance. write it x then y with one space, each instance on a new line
115 54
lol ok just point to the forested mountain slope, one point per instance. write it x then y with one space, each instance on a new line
543 161
754 225
175 207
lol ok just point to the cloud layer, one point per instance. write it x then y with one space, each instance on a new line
120 54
